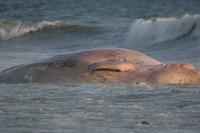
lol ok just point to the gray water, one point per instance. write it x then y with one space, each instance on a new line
32 30
99 108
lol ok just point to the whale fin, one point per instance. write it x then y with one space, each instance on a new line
112 65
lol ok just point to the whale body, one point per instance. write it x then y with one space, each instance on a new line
111 65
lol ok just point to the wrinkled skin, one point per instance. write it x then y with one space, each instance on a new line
103 66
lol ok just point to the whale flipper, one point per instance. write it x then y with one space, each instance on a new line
112 65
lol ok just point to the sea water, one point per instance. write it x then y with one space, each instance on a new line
32 30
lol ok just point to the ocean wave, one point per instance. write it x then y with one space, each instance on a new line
158 30
10 30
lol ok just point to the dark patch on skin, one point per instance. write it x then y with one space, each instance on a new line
70 63
65 63
50 64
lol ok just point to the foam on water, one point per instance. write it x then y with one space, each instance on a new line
10 30
158 30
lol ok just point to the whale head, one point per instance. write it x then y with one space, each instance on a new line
177 74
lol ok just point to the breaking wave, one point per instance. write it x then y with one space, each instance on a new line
10 30
158 30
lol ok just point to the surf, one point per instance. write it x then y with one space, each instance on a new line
163 29
10 29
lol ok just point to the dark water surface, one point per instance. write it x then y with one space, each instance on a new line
32 30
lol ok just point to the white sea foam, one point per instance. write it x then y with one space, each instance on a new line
11 30
159 30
